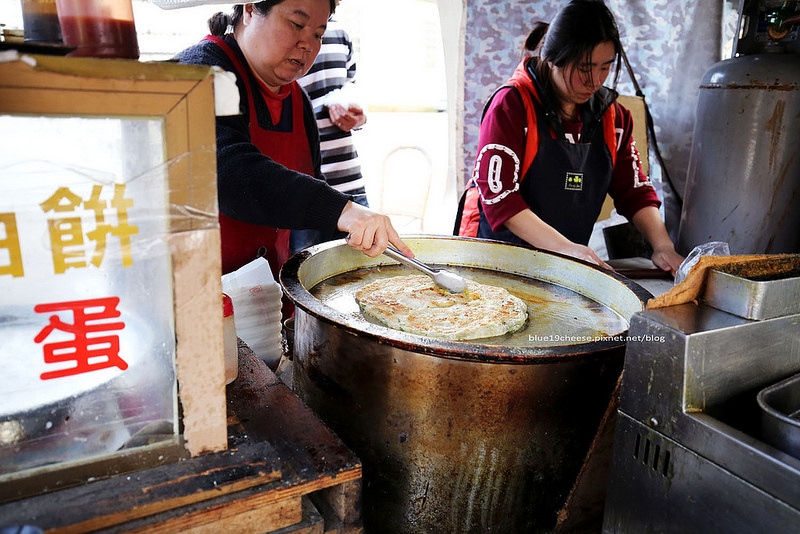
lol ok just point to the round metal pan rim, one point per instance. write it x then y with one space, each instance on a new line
291 277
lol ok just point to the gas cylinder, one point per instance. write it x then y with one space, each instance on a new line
743 181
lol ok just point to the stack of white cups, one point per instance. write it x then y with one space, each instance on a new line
256 308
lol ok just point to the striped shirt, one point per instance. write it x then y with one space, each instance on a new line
334 67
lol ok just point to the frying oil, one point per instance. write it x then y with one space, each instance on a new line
556 315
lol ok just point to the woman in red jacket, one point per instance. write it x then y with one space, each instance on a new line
553 142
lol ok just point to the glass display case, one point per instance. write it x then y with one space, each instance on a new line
111 316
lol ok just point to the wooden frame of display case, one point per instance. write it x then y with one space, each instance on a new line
183 97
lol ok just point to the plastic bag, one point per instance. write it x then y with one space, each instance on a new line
256 308
713 248
345 96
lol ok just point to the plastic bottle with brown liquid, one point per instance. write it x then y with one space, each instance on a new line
99 28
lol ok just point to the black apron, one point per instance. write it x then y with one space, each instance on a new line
566 183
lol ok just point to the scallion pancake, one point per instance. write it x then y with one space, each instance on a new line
415 304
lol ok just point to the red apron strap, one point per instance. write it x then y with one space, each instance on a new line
610 131
470 215
241 71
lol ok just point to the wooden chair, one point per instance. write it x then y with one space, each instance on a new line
634 104
405 184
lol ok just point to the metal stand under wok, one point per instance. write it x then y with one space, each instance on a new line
690 454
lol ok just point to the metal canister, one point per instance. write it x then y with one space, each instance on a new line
744 171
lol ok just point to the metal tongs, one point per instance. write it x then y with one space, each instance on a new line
446 279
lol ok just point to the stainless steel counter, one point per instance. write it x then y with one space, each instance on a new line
689 451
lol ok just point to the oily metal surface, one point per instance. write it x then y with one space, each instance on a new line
761 289
574 308
780 415
556 315
454 446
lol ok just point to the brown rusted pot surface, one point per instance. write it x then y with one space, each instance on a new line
457 437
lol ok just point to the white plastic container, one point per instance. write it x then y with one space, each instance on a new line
257 301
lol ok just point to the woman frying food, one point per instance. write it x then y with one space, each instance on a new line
553 141
268 161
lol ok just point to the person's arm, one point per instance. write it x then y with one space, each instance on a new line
255 189
635 198
251 187
501 149
648 221
529 227
279 197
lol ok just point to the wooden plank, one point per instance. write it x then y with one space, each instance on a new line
176 133
312 522
207 494
100 74
45 101
108 502
334 524
290 489
293 429
300 437
249 514
198 327
344 501
200 120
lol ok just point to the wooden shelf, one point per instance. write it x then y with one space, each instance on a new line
284 472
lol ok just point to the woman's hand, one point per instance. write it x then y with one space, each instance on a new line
370 231
347 118
528 226
667 259
583 252
648 221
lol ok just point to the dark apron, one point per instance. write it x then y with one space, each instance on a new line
566 184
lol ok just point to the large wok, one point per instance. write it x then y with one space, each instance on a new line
484 436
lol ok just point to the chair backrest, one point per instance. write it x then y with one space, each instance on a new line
404 188
634 104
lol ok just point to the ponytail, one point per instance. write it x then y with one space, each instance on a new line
218 24
534 39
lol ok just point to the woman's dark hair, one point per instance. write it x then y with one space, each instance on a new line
534 38
572 36
219 22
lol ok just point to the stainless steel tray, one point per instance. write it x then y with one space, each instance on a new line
780 415
758 293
